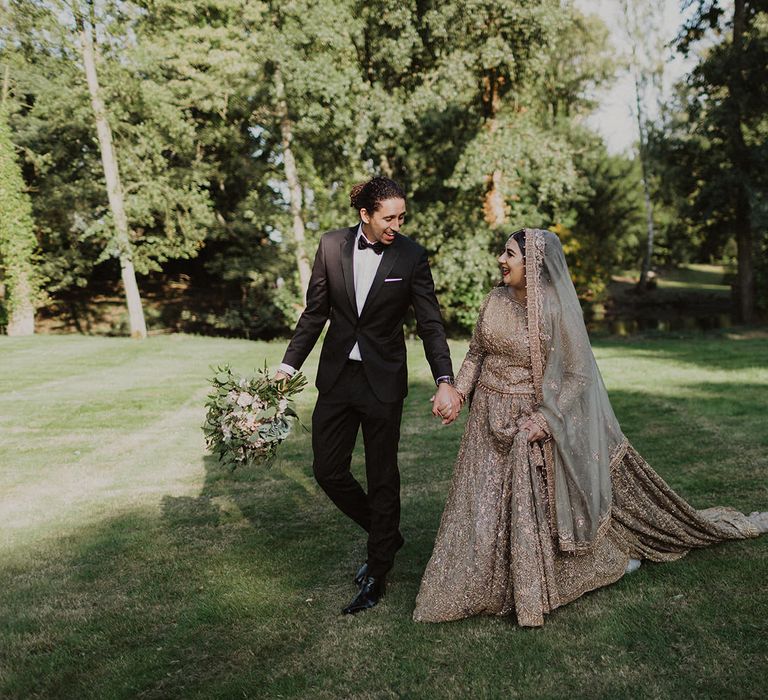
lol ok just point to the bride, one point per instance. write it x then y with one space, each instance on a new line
548 499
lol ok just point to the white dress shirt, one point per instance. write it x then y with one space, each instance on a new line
365 264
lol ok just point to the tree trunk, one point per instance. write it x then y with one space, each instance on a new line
741 163
640 22
21 292
494 208
294 185
645 271
642 283
21 319
136 321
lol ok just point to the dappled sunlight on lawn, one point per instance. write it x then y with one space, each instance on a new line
136 565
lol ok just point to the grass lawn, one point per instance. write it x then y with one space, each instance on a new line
131 565
694 277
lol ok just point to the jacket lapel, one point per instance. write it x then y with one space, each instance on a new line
347 267
388 259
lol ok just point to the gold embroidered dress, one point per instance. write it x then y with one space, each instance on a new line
528 527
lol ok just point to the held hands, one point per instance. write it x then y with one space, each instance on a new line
446 403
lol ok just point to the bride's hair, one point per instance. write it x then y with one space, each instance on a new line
369 195
519 236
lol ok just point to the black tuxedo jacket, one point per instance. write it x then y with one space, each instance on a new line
402 280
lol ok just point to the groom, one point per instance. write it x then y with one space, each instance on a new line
364 279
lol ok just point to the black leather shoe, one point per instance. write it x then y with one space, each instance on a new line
371 591
361 574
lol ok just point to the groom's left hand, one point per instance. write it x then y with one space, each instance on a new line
446 403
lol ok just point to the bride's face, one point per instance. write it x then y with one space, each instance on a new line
512 265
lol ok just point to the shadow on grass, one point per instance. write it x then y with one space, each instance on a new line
284 505
706 350
691 449
236 593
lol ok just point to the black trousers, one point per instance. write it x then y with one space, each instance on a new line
337 417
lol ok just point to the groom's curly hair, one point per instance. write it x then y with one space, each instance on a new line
369 195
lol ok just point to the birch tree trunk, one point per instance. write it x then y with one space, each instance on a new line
294 185
640 22
648 257
137 325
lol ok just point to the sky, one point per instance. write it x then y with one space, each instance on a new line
614 118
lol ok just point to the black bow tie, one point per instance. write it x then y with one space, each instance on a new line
377 247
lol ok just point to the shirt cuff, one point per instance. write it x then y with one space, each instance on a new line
282 367
444 378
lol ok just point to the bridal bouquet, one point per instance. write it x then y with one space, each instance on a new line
248 417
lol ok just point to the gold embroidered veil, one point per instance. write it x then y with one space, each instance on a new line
586 437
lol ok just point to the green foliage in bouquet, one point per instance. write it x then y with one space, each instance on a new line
248 417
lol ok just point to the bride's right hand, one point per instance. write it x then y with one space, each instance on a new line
446 403
534 430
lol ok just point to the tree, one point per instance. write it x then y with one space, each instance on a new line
641 23
727 107
493 50
161 168
294 184
17 237
138 328
305 57
272 89
607 222
240 127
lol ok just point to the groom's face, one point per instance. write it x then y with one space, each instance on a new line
384 223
